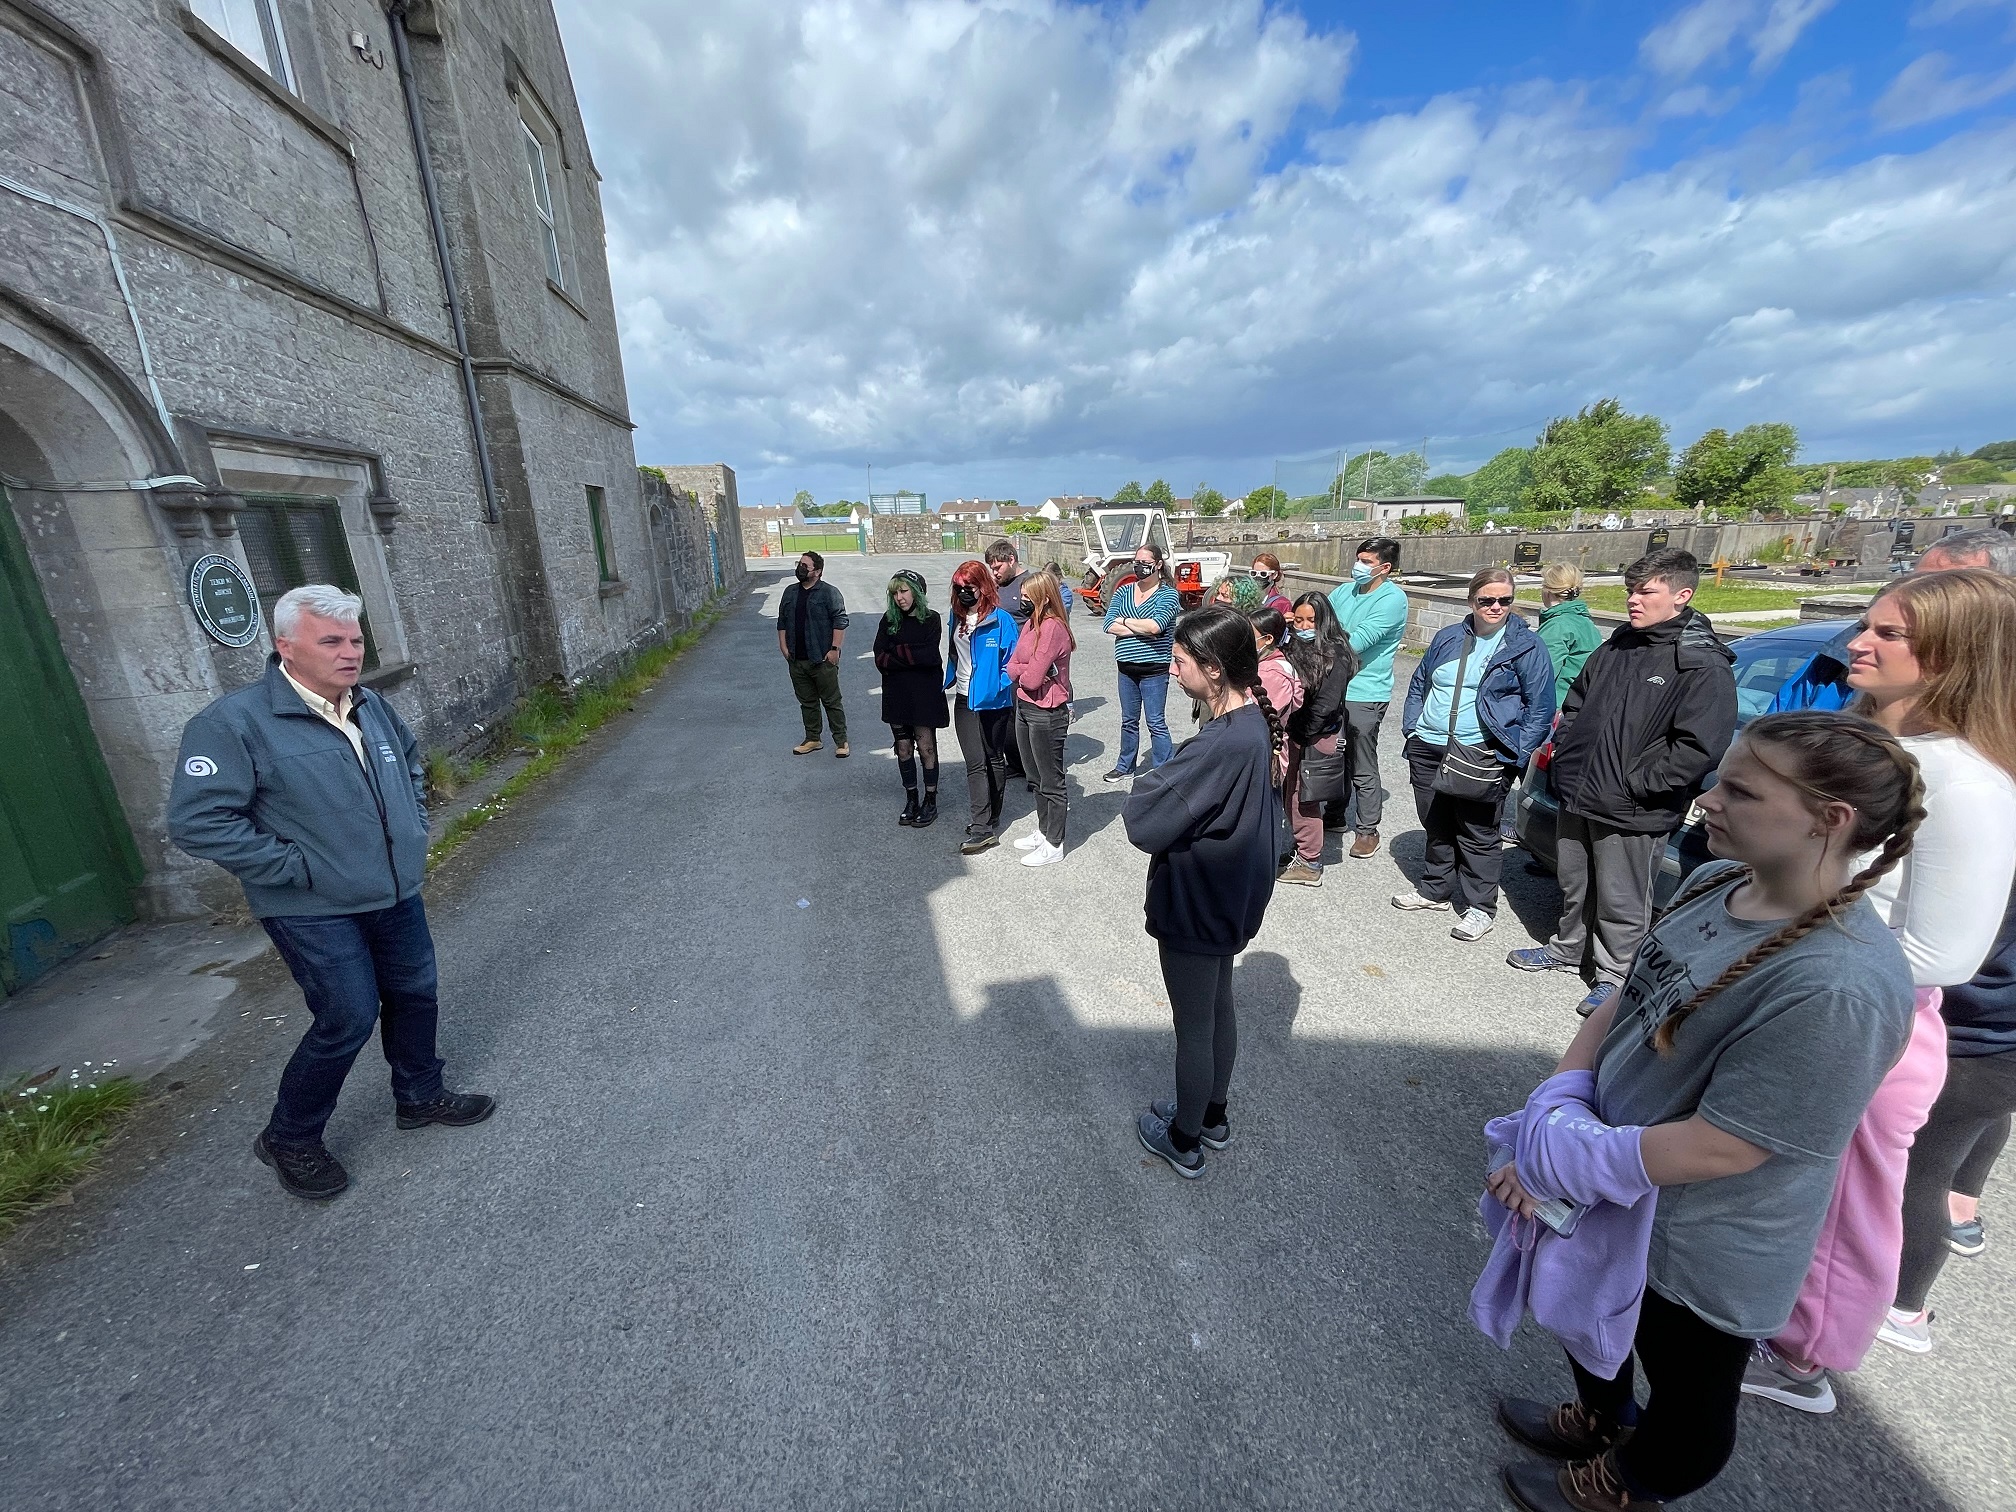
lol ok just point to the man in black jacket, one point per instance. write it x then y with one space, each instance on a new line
1644 724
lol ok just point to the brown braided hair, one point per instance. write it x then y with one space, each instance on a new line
1832 758
1222 637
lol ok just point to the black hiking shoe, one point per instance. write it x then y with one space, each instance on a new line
1567 1432
307 1171
452 1108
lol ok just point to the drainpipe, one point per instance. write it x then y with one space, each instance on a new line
395 13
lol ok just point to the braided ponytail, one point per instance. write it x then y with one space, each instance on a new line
1277 734
1834 758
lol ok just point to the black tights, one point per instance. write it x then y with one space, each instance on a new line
1979 1092
913 741
1687 1428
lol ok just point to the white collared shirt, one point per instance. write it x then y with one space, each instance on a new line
337 714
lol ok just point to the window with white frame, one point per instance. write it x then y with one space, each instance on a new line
253 27
542 204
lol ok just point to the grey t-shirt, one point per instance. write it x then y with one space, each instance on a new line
1787 1058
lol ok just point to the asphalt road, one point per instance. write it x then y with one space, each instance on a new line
839 1205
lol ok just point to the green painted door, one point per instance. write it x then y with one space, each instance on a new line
67 862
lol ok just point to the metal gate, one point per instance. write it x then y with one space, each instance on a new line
67 863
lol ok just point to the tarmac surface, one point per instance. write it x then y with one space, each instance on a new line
814 1184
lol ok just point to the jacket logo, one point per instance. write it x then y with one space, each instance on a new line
388 753
1657 682
200 766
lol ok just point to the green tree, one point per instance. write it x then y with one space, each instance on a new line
1160 493
1749 470
1502 482
804 503
1207 501
1598 458
1130 493
1380 475
1266 500
1448 486
1996 451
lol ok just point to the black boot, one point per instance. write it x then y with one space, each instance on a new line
928 814
910 809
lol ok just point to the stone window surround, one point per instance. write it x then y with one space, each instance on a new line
247 465
536 123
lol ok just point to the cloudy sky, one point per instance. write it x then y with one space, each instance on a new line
1011 248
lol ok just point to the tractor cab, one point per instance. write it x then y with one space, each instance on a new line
1113 533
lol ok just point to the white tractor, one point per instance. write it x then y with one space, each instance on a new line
1113 532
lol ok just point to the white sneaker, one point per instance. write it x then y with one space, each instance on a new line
1414 900
1910 1332
1030 841
1474 925
1044 854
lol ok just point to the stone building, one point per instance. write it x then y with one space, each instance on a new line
315 294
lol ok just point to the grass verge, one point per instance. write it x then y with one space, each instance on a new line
1712 599
551 723
49 1134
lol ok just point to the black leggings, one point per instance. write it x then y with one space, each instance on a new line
1980 1090
1687 1428
1207 1033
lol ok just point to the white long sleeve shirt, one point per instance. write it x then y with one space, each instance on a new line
1945 900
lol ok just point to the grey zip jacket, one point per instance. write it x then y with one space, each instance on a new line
273 793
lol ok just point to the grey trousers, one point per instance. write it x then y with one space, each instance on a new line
984 738
1606 895
1039 735
1207 1032
1361 745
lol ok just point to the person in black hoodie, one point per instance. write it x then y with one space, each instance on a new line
1644 724
1211 820
1319 769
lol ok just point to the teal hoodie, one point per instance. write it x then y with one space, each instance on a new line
1569 635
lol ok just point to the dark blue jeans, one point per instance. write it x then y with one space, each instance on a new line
356 971
1141 696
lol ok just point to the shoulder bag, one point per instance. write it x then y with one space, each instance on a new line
1470 772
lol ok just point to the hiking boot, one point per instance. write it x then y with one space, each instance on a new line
840 748
805 747
1474 925
455 1109
974 844
1591 1485
928 814
1413 902
1366 844
1565 1432
1776 1379
1299 873
1214 1136
307 1171
1599 995
1154 1133
1538 958
1967 1238
908 817
1910 1332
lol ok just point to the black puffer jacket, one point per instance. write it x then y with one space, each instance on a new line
1644 725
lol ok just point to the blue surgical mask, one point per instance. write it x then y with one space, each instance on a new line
1361 572
1305 635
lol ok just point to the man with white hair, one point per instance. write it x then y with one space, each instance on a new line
309 790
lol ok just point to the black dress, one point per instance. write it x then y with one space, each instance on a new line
913 672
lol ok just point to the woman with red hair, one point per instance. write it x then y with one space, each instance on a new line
980 637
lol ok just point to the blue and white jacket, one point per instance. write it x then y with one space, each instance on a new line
990 686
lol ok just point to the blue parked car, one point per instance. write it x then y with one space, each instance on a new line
1765 662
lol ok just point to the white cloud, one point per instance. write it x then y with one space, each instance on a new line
1926 90
1704 32
946 232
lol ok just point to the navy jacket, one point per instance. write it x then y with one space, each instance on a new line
1515 699
274 794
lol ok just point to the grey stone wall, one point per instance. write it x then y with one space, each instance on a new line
1591 550
690 562
907 535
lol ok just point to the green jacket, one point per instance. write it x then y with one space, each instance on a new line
1569 636
275 795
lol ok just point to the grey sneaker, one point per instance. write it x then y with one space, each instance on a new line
1215 1136
1909 1332
1413 900
1773 1377
1299 873
1968 1238
1474 925
1154 1134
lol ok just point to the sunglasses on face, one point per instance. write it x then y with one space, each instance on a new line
1493 601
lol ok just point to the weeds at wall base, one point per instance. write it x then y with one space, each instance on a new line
552 723
50 1133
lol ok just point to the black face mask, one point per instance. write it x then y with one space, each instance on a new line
804 573
967 597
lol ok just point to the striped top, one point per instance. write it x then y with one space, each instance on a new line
1161 606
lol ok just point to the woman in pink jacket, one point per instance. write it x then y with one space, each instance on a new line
1040 668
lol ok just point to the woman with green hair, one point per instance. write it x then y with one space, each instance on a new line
913 691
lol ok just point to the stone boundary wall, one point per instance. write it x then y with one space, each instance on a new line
688 542
1594 551
906 535
1062 542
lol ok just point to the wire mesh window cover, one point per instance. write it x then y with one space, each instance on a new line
598 524
290 541
253 27
542 204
